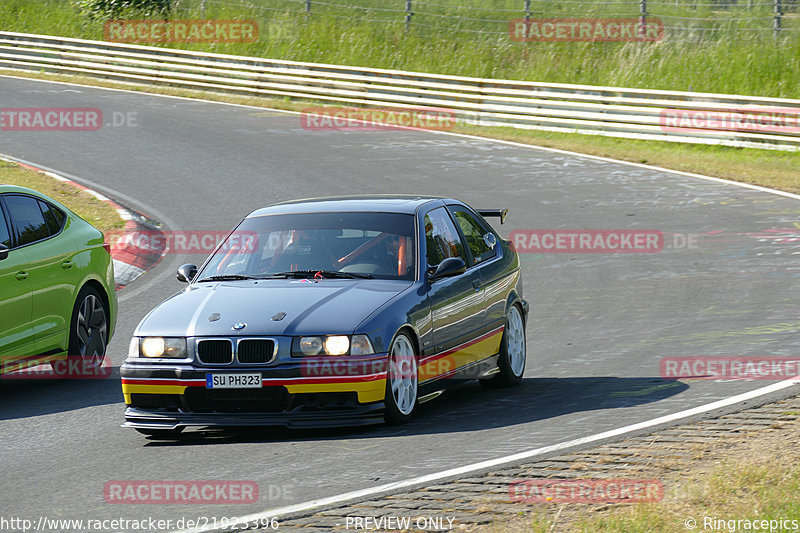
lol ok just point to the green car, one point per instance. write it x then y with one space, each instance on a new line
57 286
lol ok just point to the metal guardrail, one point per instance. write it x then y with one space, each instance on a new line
620 112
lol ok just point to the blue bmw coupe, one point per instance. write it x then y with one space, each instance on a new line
331 312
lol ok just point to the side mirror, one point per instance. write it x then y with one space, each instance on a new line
3 252
452 266
187 272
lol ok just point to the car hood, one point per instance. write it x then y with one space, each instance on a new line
324 307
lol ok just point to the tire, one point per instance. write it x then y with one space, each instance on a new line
402 381
88 330
161 434
513 351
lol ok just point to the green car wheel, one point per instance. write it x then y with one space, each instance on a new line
88 336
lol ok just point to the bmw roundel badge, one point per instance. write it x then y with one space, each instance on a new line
238 326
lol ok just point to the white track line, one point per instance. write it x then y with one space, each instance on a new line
358 494
500 461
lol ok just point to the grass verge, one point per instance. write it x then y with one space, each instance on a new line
98 214
470 38
729 490
768 168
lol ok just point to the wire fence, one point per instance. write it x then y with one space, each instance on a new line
471 18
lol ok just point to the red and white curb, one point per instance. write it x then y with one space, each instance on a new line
130 262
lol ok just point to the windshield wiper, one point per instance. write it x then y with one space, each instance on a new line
231 277
324 274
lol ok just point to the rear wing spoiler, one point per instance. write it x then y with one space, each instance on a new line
497 213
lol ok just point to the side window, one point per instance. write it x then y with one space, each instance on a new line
441 237
474 233
53 216
5 235
27 217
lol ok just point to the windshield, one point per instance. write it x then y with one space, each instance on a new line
379 245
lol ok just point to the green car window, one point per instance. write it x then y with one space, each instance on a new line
53 216
5 235
27 217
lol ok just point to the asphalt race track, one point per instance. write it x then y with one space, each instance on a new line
599 323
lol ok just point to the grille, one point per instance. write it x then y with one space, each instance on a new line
264 400
215 351
255 351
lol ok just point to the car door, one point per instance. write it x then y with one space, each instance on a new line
456 303
52 272
16 329
484 249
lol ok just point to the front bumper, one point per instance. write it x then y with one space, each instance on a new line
171 396
357 416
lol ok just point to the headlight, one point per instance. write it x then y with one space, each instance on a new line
332 345
337 344
133 348
166 347
311 345
361 345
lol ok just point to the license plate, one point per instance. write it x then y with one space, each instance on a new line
233 381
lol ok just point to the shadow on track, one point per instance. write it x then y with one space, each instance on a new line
468 407
22 398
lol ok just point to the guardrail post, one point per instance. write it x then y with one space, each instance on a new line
527 10
642 19
308 7
409 13
777 20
